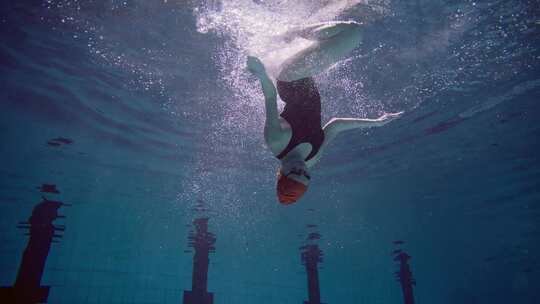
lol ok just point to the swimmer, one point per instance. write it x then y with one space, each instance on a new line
295 136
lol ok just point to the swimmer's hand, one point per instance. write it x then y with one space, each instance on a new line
388 117
256 67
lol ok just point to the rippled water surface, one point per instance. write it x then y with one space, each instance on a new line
137 121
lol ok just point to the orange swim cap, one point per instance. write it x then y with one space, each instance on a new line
289 190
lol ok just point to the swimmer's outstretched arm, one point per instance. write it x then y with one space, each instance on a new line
338 125
272 126
321 31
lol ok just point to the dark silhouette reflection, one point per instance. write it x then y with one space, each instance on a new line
404 274
49 188
311 257
59 141
203 243
42 233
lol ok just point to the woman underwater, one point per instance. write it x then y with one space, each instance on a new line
295 136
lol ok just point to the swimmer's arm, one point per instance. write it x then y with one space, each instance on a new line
321 31
338 125
272 126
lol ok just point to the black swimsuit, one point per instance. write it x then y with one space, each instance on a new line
303 112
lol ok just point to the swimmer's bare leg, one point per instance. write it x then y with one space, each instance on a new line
333 41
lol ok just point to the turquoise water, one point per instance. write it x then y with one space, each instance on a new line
142 116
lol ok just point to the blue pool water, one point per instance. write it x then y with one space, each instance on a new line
139 117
